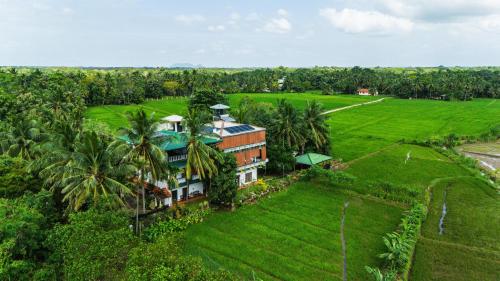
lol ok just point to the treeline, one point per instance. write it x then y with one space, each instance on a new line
126 86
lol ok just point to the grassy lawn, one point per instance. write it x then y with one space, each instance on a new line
469 248
114 115
362 130
299 100
294 235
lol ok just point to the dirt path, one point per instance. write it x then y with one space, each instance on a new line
351 106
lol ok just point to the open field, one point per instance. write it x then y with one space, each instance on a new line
468 248
294 235
114 115
299 100
393 165
362 130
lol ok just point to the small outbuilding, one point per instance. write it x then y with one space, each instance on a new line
310 159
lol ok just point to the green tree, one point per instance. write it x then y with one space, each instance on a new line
316 128
200 156
22 139
287 126
203 99
223 186
144 150
93 245
92 173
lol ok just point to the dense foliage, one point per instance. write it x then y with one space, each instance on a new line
223 186
127 86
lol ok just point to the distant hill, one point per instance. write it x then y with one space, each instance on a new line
185 65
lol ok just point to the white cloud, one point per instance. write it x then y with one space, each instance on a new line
355 21
252 17
235 16
282 13
280 25
490 23
67 11
441 10
215 28
190 19
200 51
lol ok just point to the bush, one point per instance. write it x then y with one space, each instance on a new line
163 260
15 178
170 225
94 245
333 178
223 186
23 229
391 191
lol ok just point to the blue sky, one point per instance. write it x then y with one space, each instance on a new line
250 33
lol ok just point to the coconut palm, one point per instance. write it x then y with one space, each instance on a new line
287 125
315 125
200 157
92 173
144 150
22 139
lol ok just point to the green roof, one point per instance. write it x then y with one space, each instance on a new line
177 140
312 158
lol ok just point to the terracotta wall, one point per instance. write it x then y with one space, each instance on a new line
243 139
245 157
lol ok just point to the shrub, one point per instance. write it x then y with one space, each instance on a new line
163 260
171 225
333 178
391 191
93 245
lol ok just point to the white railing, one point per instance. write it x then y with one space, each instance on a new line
177 158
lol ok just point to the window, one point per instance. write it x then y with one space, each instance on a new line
248 177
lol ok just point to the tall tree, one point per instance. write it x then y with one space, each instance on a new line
200 156
92 173
22 139
316 128
287 125
144 150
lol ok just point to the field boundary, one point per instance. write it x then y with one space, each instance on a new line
351 106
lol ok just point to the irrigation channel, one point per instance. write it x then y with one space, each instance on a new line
342 238
443 214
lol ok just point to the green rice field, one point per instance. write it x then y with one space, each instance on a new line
295 235
468 248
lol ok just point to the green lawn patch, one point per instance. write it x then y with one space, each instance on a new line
294 235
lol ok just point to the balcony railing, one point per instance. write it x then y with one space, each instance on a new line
177 158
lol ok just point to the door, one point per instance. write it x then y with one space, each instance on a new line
174 196
185 193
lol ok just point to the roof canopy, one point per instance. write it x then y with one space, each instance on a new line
312 158
219 106
172 118
174 140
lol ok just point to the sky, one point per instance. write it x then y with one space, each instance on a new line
257 33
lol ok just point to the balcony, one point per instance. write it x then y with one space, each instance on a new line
177 158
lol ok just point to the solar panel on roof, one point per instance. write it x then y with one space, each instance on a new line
239 129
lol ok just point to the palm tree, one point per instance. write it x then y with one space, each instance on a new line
287 126
92 173
315 125
200 157
144 150
21 140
